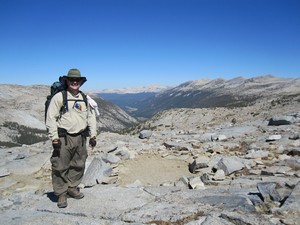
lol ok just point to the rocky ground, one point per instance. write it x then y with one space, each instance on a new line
185 166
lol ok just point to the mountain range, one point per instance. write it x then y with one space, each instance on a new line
22 107
204 93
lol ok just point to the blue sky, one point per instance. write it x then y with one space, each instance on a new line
130 43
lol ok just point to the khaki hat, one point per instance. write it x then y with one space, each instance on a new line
75 73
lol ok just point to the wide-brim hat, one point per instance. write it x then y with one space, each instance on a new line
75 73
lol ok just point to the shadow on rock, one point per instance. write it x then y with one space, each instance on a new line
52 196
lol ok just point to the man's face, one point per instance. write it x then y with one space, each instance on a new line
74 83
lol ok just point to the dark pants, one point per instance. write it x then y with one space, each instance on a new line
68 164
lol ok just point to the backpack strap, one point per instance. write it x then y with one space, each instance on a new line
65 100
64 107
84 98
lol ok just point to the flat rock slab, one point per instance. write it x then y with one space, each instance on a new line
117 205
28 165
101 203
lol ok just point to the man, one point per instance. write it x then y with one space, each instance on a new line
69 124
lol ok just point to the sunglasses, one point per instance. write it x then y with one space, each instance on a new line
74 80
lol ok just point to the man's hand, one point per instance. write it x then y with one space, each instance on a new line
93 142
56 143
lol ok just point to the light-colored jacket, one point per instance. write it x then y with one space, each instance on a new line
78 117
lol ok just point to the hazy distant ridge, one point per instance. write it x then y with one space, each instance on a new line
134 90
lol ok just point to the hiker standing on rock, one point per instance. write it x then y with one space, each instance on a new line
69 121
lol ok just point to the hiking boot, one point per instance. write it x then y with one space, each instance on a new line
62 201
75 193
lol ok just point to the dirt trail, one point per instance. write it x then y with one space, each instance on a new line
152 170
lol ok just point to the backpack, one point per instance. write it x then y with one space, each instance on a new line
60 86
